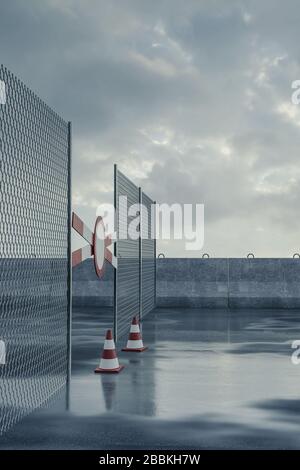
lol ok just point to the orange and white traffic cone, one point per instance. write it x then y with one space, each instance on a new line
109 362
135 341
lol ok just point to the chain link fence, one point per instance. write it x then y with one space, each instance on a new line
135 278
34 250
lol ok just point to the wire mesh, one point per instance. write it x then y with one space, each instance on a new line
34 250
148 258
135 277
127 274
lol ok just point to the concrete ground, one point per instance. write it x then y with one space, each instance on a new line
211 379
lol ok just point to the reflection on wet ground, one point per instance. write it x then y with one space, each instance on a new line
210 379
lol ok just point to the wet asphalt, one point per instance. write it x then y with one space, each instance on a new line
211 379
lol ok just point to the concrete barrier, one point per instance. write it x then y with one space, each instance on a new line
88 289
210 283
264 283
192 282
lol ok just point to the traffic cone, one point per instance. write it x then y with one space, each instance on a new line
135 341
109 361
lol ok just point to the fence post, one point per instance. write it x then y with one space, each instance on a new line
69 298
140 256
116 229
155 262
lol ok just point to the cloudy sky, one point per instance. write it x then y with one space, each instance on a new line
191 98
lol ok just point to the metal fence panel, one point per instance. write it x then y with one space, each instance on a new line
126 301
148 255
135 278
34 250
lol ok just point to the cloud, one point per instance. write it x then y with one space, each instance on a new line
192 100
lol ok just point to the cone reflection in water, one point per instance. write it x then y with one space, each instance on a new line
109 388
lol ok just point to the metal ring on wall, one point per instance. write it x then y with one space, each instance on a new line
250 255
205 255
296 255
161 255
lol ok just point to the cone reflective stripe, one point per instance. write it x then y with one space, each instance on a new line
109 360
135 341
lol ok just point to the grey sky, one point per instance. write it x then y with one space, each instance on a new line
191 98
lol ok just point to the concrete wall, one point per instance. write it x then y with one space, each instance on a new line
192 282
269 283
88 289
212 283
